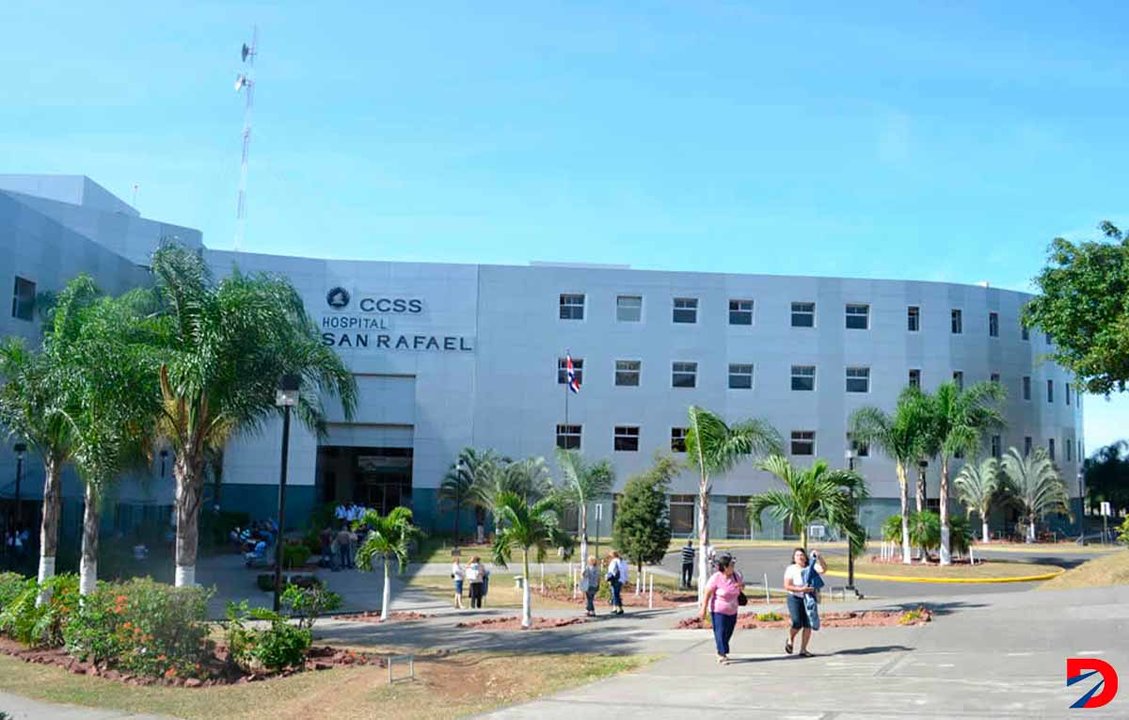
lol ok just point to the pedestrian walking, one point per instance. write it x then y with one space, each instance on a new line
474 577
458 575
799 582
688 564
590 584
721 600
345 540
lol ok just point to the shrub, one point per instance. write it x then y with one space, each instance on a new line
265 581
41 626
143 627
773 617
277 646
1123 531
892 529
307 604
295 554
925 529
11 585
960 535
911 617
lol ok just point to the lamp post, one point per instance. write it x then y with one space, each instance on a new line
286 397
458 497
20 449
850 455
599 514
1081 506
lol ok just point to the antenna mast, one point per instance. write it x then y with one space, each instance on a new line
245 82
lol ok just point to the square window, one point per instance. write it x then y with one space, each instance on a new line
1069 450
913 318
859 448
997 449
740 377
1026 387
627 438
572 306
803 377
682 509
684 374
858 380
1050 391
915 378
678 439
629 308
803 442
577 370
958 378
627 372
23 299
803 314
1067 393
994 377
568 437
993 324
1027 444
957 321
1024 332
1051 449
858 317
686 310
740 312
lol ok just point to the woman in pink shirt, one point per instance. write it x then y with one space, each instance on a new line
720 601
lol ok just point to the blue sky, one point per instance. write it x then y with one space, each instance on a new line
912 140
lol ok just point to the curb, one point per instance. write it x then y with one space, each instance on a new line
949 581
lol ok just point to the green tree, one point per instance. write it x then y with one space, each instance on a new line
925 531
477 472
583 483
810 495
529 479
1106 475
961 417
902 436
527 525
224 347
459 487
642 523
977 487
1083 303
1035 486
389 538
714 448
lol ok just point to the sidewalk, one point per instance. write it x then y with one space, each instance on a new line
20 708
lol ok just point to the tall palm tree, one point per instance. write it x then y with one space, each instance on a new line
390 537
458 488
530 479
978 486
714 448
813 494
528 525
901 436
225 346
583 482
961 418
1035 485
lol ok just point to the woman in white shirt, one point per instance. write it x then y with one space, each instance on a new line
457 574
797 589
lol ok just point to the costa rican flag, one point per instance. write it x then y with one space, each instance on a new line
570 374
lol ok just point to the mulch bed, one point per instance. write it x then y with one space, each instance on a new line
374 617
216 668
514 623
663 598
864 618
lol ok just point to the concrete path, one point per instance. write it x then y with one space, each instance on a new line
20 708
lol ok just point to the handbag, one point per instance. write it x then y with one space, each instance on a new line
742 598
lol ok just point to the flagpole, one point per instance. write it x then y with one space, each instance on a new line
567 390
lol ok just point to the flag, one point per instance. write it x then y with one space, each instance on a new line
570 374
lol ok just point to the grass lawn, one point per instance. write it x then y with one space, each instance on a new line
1111 569
446 687
990 569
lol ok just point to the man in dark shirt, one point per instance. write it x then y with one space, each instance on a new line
687 563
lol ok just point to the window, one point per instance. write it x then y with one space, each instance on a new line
740 312
996 448
913 318
23 299
1027 445
958 378
1051 449
1069 450
994 377
993 324
1050 391
627 372
568 437
737 516
858 317
1024 333
627 438
577 370
803 314
686 310
1067 393
684 375
629 308
860 448
1026 387
678 439
682 514
803 377
1050 339
957 321
858 379
740 377
803 442
915 378
572 307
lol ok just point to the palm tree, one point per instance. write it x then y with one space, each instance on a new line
716 448
225 346
814 494
390 537
977 486
527 525
961 417
583 482
903 437
1035 485
529 479
458 488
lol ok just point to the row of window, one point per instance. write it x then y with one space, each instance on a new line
684 311
625 438
684 374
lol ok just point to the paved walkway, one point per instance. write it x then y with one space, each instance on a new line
20 708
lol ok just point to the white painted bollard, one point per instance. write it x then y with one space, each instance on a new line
572 579
767 597
651 597
640 578
971 556
542 577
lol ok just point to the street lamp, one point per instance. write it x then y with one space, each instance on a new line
286 397
20 449
1081 506
850 455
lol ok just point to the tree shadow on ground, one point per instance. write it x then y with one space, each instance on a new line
937 608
